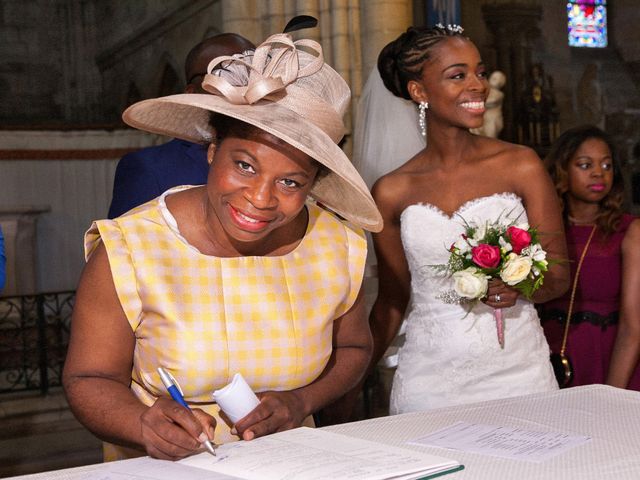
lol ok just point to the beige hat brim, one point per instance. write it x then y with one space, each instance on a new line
186 116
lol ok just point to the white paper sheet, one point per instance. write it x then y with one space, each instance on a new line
310 454
499 441
145 468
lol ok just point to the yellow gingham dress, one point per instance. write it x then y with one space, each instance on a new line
204 318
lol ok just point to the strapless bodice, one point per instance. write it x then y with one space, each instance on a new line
427 234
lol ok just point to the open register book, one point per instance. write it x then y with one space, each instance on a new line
310 454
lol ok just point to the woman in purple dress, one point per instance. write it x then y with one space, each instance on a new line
603 342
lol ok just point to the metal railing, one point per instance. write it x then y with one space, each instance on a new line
34 335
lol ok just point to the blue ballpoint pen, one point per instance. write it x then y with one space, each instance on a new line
174 390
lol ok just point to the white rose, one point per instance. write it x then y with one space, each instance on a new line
515 269
470 283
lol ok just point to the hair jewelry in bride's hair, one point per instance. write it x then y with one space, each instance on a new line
453 28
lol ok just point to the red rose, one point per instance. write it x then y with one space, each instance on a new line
485 256
519 239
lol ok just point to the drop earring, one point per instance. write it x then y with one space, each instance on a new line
422 117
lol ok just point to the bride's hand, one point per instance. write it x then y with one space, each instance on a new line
500 295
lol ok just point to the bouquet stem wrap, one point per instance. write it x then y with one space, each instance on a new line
497 314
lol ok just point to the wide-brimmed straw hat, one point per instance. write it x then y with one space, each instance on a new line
286 89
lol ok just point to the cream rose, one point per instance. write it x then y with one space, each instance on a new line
470 283
515 269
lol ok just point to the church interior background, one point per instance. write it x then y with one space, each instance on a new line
69 68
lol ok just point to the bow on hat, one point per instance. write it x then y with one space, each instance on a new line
270 73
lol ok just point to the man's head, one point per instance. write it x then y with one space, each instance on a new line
198 58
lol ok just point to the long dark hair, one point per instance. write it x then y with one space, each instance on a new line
401 60
557 162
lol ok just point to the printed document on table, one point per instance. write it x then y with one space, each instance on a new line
314 454
508 442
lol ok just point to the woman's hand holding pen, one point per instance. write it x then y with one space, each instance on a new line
171 432
277 411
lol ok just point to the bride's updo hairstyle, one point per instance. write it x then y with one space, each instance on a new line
401 60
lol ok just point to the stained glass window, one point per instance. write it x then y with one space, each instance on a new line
587 21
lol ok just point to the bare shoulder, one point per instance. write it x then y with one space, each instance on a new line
390 192
522 163
527 159
388 186
512 155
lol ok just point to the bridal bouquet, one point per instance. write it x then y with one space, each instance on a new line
504 250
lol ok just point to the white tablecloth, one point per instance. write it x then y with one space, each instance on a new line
609 415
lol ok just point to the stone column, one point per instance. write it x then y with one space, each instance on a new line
243 16
309 7
275 18
345 55
382 21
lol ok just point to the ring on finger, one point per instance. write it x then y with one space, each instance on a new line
497 298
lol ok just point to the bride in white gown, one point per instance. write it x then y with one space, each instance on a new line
451 356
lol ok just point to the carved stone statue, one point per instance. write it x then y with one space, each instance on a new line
589 95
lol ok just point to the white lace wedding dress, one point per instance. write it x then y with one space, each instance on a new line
450 357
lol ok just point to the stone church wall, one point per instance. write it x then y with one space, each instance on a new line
31 69
80 63
66 62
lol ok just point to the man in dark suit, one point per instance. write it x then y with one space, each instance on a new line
145 174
